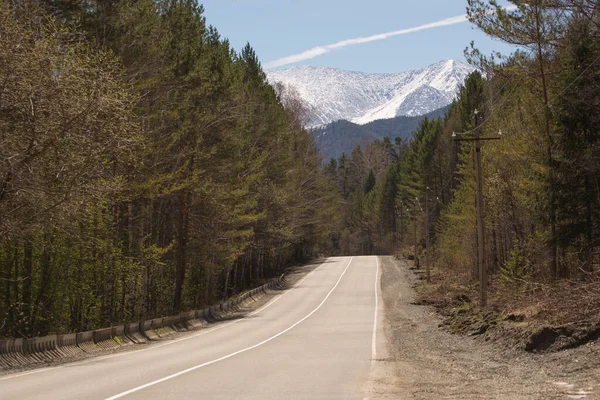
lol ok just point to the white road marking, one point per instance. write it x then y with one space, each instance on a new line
203 332
374 340
185 371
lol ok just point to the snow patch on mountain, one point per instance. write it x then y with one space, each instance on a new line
333 94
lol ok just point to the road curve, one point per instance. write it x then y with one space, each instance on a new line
314 341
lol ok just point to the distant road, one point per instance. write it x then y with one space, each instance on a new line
314 341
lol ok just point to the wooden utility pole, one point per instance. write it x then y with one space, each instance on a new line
415 238
480 228
427 244
482 269
399 233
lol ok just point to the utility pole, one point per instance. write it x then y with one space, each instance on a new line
480 228
427 244
401 235
398 234
482 269
415 239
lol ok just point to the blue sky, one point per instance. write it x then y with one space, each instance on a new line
281 28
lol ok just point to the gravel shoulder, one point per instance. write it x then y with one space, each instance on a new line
426 362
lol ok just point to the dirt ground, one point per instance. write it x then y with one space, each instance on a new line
427 362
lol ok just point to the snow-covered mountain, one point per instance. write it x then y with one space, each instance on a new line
334 94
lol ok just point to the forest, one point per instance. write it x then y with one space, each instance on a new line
146 167
541 179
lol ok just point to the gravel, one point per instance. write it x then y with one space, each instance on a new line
425 362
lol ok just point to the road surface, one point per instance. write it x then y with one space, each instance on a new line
317 340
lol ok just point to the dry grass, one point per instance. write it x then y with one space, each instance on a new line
514 308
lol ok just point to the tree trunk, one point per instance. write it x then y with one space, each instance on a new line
43 302
552 211
235 276
226 285
182 241
27 277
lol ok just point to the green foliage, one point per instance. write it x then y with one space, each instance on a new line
517 269
539 182
578 144
370 182
146 167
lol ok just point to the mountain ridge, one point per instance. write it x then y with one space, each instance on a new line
333 94
342 136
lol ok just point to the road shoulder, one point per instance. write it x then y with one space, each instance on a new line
427 362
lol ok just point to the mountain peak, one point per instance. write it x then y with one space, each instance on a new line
449 63
333 94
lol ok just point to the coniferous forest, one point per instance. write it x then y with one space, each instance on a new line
147 168
541 179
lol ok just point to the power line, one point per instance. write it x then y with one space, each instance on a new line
502 102
540 109
565 88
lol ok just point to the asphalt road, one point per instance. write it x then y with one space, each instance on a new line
314 341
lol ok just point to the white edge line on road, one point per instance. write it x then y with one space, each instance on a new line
202 332
374 339
185 371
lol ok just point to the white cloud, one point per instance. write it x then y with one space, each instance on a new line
320 50
305 55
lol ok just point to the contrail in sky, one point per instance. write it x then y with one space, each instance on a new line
320 50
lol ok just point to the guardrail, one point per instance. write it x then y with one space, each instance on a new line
18 352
